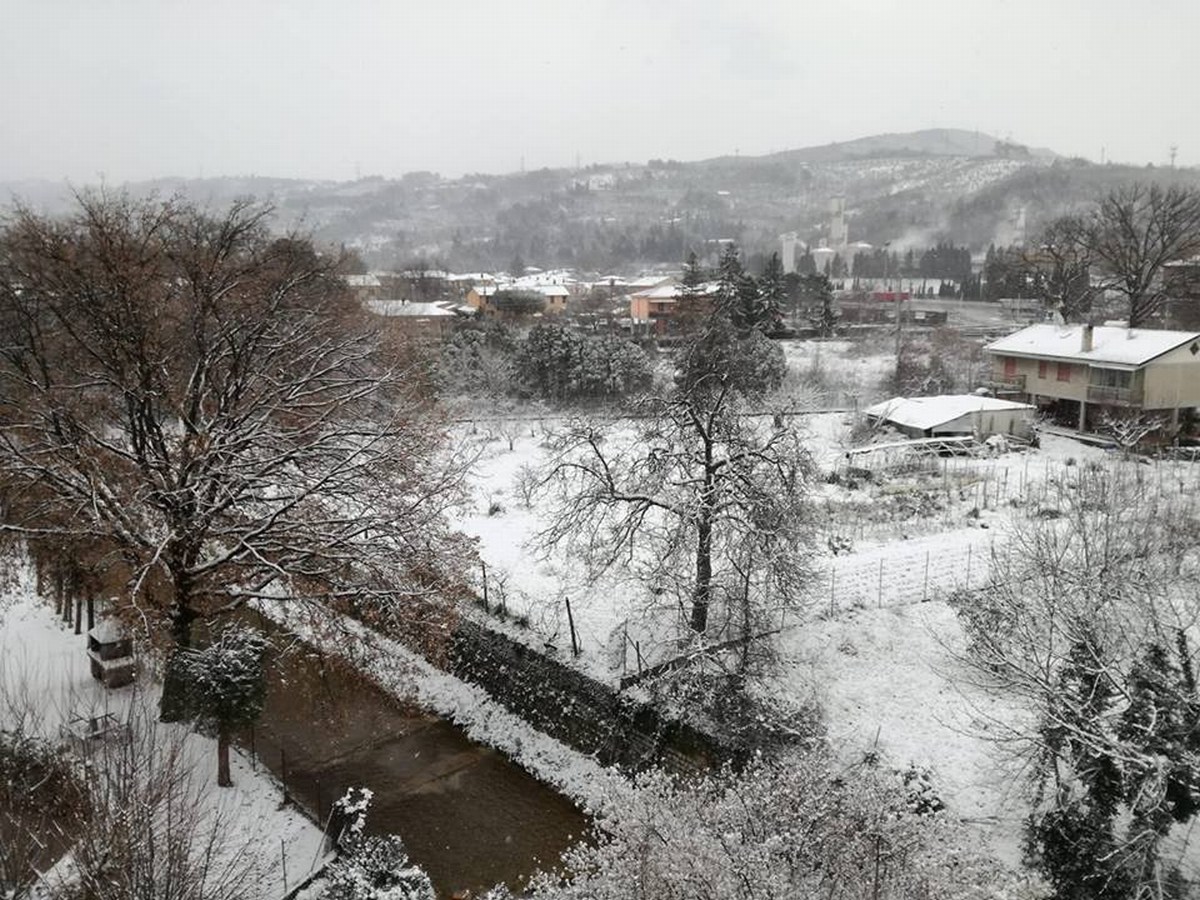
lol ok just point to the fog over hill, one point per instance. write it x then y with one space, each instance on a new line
912 190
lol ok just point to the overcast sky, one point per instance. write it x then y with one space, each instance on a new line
133 89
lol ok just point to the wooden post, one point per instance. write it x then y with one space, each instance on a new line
624 645
880 599
485 588
283 858
571 623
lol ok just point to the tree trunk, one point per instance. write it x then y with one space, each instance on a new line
91 610
79 614
223 777
174 706
703 590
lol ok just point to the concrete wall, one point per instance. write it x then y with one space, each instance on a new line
1173 380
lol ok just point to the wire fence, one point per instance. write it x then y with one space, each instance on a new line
922 570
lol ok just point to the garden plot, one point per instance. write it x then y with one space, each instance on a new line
906 572
901 537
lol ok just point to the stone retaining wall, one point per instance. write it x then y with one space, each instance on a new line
578 710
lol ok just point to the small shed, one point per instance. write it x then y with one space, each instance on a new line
110 649
955 414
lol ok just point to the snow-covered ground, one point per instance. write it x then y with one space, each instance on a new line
879 645
43 663
890 683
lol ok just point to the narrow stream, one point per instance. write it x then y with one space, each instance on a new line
467 815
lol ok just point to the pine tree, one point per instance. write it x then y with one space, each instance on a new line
225 686
1066 841
732 288
772 291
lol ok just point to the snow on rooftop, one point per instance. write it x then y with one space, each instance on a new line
1119 346
407 308
362 280
672 291
108 631
930 412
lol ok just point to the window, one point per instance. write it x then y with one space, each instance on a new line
1113 378
1064 371
1042 367
1010 368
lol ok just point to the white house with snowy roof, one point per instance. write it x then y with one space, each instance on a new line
1081 373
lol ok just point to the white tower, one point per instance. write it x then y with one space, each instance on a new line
787 250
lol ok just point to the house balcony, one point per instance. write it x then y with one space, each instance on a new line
1000 385
1114 396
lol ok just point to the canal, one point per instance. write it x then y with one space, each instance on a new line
467 815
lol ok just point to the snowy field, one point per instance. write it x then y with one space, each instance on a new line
43 665
879 644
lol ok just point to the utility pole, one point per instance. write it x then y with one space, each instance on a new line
899 306
1174 152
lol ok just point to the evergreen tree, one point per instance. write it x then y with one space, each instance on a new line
225 685
691 294
818 294
772 296
1066 841
737 294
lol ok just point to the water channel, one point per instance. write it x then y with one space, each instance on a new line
467 815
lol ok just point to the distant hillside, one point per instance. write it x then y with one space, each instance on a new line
930 142
912 190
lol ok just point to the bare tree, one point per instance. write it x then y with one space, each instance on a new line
1134 232
1059 268
706 504
1130 428
100 804
202 403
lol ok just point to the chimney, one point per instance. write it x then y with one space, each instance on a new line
1085 340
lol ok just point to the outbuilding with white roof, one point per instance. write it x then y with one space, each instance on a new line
960 414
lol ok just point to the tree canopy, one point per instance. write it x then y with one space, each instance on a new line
202 404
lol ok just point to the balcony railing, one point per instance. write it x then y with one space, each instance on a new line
1114 396
1006 384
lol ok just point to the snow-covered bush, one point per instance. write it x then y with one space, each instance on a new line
376 868
797 827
